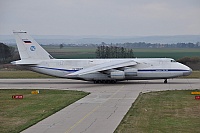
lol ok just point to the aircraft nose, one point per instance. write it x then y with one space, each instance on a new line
187 72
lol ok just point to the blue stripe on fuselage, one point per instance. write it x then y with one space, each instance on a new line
162 70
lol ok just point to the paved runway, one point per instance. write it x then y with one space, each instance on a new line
99 112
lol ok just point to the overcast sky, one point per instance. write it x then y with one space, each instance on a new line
101 17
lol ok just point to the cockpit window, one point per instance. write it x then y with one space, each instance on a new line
173 61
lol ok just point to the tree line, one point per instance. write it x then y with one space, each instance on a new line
6 53
158 45
113 52
186 60
139 45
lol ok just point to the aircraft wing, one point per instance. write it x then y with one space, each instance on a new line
104 67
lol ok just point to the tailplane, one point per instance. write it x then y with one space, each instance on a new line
28 48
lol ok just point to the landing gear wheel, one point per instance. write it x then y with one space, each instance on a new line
113 81
104 81
96 81
165 81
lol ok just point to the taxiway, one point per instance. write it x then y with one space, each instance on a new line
99 112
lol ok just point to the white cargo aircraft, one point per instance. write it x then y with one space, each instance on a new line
34 57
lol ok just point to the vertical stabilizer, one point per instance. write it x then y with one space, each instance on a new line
29 48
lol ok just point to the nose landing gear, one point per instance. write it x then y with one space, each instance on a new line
165 81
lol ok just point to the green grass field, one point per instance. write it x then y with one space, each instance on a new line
166 53
167 111
71 52
6 74
89 52
17 115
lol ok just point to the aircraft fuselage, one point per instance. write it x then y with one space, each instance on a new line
146 68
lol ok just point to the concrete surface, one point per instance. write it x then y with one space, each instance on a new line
99 112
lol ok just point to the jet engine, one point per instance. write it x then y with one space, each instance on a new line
130 72
117 75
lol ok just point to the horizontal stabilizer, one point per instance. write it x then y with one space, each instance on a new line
26 62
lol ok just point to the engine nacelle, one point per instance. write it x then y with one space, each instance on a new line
117 75
130 72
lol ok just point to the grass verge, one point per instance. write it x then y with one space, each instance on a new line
6 74
167 111
19 114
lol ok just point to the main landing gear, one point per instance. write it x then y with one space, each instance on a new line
104 81
165 81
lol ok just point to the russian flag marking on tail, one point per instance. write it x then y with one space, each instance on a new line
27 42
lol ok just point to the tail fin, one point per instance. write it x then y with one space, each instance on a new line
28 48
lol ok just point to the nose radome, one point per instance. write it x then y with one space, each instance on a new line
187 72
